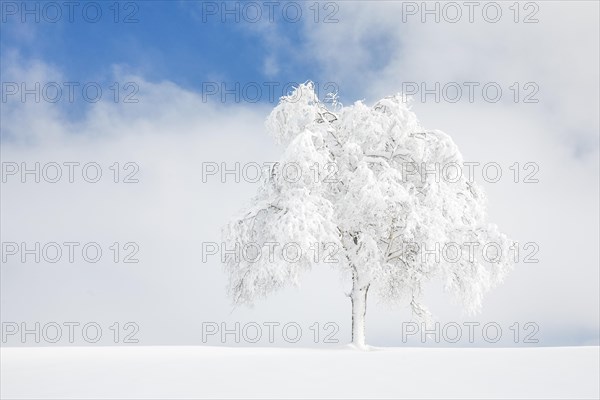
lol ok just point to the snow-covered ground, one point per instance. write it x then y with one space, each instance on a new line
217 372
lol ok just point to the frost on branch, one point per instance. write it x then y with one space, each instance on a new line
366 186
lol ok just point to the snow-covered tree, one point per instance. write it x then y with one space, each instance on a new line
365 183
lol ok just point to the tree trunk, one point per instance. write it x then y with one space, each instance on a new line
359 309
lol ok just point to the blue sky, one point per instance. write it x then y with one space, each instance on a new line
171 40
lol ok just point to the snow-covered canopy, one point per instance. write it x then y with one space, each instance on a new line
363 183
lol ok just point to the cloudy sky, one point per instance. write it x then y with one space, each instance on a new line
184 83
